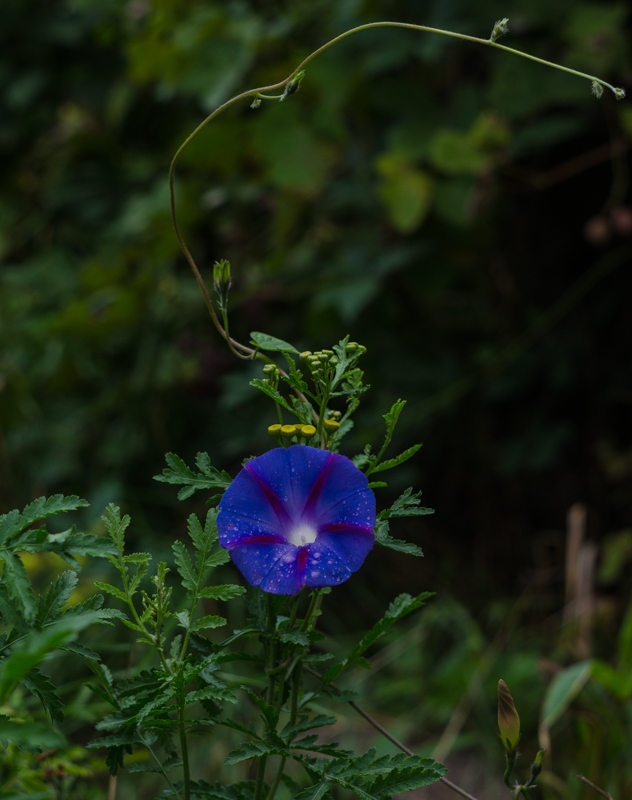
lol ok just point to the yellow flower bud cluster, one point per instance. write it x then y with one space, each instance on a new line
272 373
320 364
287 433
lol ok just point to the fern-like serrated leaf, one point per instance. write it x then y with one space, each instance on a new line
255 749
382 537
219 693
226 591
211 621
40 685
406 505
266 388
201 790
300 638
179 474
306 723
18 586
395 462
116 525
13 523
268 713
400 607
51 605
109 589
407 778
185 567
315 792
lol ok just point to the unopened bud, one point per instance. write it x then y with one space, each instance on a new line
221 279
619 94
508 719
271 370
597 89
499 29
308 431
331 426
536 767
305 356
294 85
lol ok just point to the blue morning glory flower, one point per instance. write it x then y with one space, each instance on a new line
297 517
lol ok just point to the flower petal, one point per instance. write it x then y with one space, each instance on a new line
291 474
251 497
277 568
234 529
349 545
341 495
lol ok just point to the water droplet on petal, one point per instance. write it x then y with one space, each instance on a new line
314 573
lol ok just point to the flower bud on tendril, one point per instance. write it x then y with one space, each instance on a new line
508 719
297 517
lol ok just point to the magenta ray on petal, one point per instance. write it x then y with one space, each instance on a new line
297 517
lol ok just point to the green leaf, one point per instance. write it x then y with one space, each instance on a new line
406 505
18 586
40 685
617 683
226 591
254 750
203 538
407 778
392 416
185 567
180 474
268 713
405 190
266 388
201 790
400 607
208 622
562 690
50 606
211 692
14 522
306 723
35 646
107 587
265 342
295 637
33 736
395 462
382 537
115 525
314 792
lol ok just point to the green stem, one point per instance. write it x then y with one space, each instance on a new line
158 763
184 749
257 93
271 626
511 763
312 607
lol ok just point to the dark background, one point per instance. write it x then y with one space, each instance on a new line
461 212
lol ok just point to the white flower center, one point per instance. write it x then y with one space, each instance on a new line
302 534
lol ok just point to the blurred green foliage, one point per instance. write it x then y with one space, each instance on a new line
461 212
